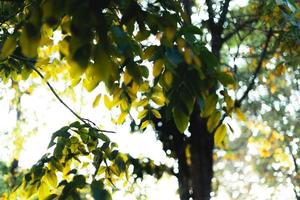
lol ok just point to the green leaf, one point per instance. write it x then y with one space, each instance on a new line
76 125
225 78
220 135
79 181
188 99
105 146
213 121
209 105
191 29
103 137
9 47
209 58
180 118
103 64
63 132
98 191
51 197
29 40
174 56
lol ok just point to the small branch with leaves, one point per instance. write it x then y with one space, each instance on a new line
87 122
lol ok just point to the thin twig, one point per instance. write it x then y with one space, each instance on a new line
211 13
237 29
85 121
223 13
257 70
14 14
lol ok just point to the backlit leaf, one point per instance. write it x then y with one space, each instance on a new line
43 190
144 124
181 119
240 114
96 101
107 102
142 114
213 121
225 78
157 67
220 135
51 178
9 47
156 113
121 118
168 78
209 105
158 100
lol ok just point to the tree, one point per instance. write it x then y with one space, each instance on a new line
182 87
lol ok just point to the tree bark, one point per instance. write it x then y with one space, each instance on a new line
202 145
175 141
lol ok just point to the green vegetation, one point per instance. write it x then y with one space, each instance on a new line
190 78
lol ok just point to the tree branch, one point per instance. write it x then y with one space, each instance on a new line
237 29
187 4
14 14
211 13
257 70
85 121
223 13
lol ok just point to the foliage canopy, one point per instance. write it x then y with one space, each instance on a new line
152 60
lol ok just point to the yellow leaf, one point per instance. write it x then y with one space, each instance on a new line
213 121
240 114
42 62
142 114
142 103
157 67
209 105
197 61
107 102
170 32
43 190
121 118
188 154
168 78
127 78
96 101
273 88
188 56
124 105
220 135
90 84
158 100
156 113
180 43
148 53
76 70
144 124
75 82
9 47
51 178
64 47
134 88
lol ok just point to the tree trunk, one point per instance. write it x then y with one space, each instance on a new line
202 145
